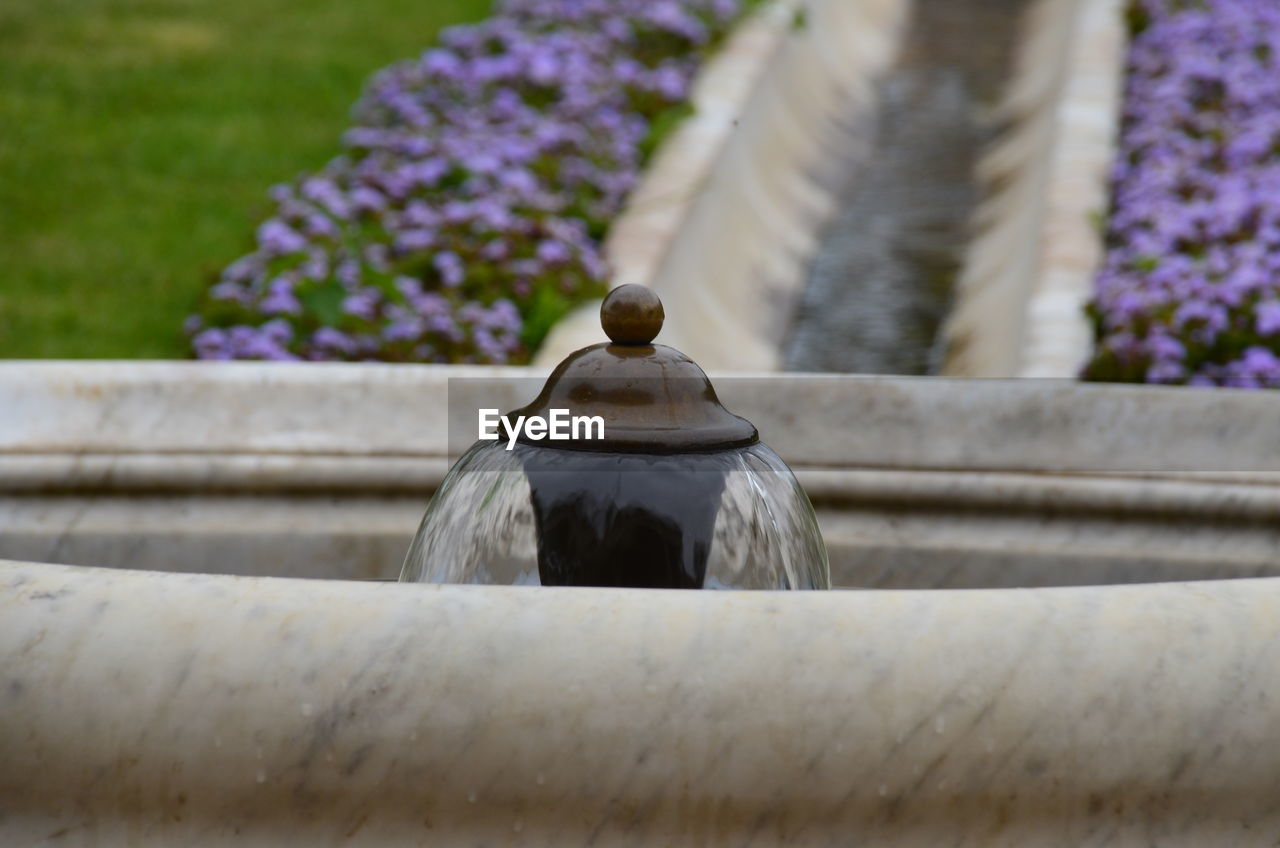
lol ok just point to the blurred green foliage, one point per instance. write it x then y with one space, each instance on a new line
138 139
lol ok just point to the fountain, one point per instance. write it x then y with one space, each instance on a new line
180 685
156 707
674 491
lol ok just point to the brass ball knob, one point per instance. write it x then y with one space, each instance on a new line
631 315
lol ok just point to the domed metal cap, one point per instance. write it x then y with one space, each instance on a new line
651 398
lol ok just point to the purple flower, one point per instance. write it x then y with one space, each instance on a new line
229 291
404 329
450 267
1267 318
367 199
279 331
279 239
332 340
280 300
244 342
553 252
362 304
409 241
211 344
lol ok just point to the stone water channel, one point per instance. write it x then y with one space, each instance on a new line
880 285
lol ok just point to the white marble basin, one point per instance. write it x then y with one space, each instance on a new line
168 709
164 707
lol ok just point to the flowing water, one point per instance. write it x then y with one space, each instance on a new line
881 282
625 519
733 519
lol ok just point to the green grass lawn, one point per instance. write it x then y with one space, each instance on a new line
138 139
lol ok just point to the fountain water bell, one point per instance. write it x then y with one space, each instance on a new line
664 487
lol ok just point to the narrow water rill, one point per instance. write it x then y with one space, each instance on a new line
880 284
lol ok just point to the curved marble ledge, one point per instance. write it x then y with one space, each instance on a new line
165 709
381 415
324 470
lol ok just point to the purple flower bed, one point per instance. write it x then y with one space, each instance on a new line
1190 289
466 214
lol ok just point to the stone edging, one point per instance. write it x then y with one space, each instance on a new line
1029 272
389 413
323 470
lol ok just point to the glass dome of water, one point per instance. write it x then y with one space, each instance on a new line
656 484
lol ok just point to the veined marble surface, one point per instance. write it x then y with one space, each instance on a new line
133 416
166 709
325 470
